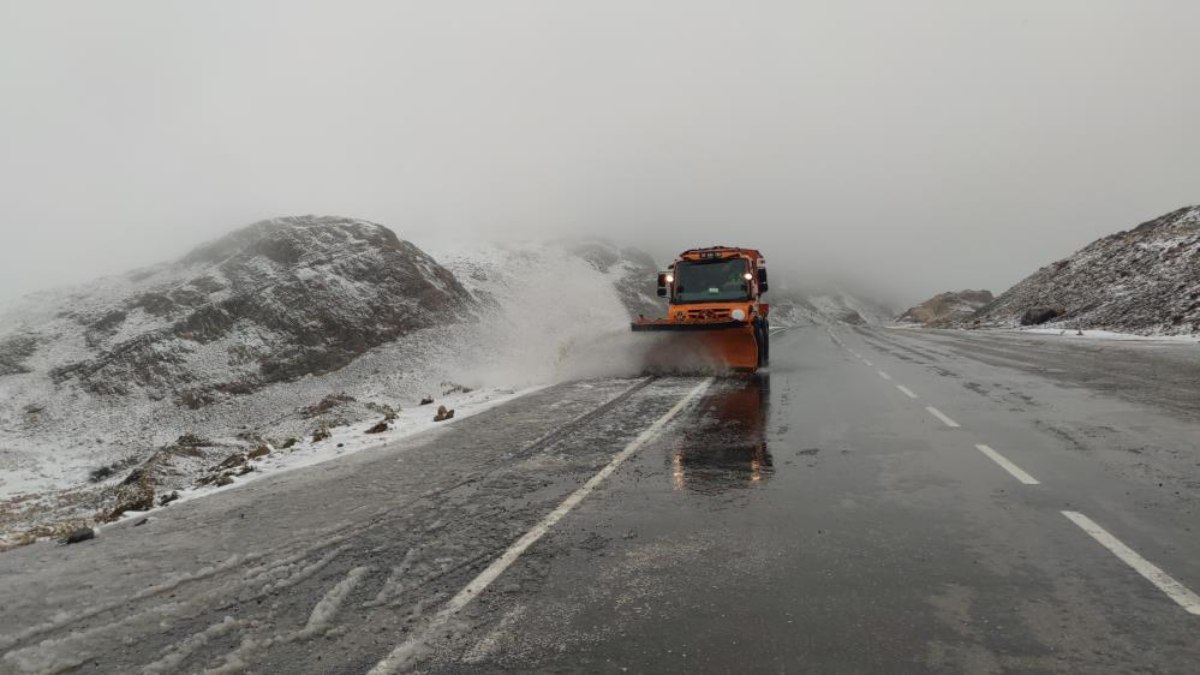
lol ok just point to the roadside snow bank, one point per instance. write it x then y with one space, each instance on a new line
1110 335
348 440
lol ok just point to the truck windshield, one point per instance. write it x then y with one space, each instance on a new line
711 281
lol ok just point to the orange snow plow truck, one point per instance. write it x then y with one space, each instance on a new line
716 316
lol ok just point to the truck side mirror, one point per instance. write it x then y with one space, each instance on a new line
762 280
662 284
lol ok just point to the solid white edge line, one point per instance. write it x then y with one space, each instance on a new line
906 391
1182 596
1016 471
399 657
942 416
885 375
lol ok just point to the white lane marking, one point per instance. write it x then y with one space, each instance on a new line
1016 471
907 392
1184 597
942 416
868 362
399 658
885 376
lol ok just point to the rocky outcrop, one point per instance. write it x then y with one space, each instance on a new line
1036 316
14 350
946 308
1145 280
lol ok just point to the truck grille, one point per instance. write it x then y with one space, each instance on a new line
708 314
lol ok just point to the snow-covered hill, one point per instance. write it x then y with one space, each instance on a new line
273 302
1145 281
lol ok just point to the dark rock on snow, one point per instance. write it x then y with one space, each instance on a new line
1035 316
321 433
13 352
80 534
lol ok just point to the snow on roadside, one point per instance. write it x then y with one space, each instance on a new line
352 439
343 441
1110 335
1061 332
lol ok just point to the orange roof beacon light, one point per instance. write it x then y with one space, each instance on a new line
716 317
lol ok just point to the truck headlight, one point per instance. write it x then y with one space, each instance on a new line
738 315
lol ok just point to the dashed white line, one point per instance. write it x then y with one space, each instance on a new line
868 362
885 376
1182 596
907 392
399 657
942 416
1016 471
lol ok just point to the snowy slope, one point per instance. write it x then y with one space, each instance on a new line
1144 281
240 330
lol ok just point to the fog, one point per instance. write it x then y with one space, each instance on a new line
911 147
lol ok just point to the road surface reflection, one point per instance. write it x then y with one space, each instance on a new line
728 449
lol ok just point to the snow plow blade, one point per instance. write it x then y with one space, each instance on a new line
700 346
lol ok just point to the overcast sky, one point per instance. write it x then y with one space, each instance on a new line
917 146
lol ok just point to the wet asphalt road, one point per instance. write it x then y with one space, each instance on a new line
816 518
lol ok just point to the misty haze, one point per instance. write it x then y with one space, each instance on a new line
383 337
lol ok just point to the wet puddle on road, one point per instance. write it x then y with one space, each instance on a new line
728 448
